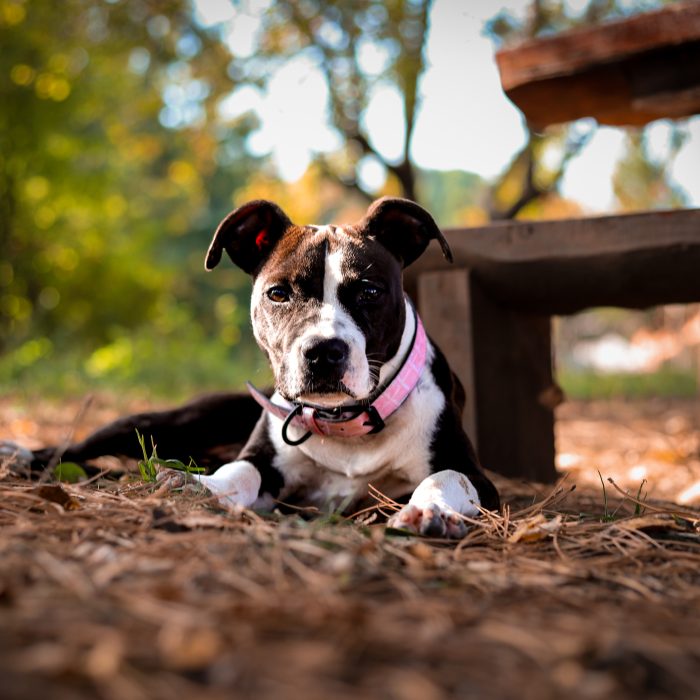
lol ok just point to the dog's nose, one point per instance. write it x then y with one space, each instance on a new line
329 353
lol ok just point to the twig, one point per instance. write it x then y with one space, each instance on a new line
685 514
60 450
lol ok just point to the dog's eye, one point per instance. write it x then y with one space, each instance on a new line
278 294
368 293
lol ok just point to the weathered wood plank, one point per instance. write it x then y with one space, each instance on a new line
560 267
615 72
567 52
514 389
516 241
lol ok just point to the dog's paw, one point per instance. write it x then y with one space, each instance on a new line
431 520
15 456
233 485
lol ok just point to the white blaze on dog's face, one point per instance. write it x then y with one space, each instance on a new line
328 310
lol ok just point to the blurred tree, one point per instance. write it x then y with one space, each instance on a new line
116 161
110 152
455 196
536 171
530 176
641 180
339 36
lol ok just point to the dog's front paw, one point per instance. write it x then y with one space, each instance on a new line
431 520
234 484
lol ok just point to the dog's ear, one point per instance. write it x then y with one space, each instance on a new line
248 234
404 228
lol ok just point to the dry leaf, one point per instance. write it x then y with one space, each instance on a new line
536 528
57 494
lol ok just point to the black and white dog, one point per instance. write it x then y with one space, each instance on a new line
361 394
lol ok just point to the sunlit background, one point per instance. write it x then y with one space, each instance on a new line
464 122
129 129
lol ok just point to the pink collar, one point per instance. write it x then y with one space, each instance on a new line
357 419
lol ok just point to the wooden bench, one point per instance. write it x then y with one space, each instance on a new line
630 71
491 312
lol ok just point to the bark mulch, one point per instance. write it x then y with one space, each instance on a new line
121 590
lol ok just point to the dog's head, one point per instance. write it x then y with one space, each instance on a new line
327 304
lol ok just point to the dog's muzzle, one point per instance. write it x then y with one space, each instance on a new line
352 420
326 361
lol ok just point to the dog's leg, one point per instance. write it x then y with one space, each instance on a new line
251 480
436 505
233 484
210 429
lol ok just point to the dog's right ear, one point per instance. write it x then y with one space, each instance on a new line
248 234
404 228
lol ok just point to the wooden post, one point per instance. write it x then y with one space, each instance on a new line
503 358
491 313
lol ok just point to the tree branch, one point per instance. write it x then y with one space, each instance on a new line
531 189
352 185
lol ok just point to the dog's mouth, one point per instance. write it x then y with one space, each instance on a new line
327 395
327 400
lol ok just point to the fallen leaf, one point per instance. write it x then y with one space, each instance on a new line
57 494
536 528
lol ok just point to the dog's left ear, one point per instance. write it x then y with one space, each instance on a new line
404 228
248 234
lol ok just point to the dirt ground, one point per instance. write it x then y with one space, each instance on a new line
119 590
657 440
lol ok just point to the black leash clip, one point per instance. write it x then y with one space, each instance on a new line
285 426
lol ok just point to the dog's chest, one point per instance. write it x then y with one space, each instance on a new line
394 461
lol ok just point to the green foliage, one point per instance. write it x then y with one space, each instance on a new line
149 465
609 516
111 183
640 498
175 365
70 473
447 194
640 182
666 382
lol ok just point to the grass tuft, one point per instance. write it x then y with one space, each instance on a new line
148 466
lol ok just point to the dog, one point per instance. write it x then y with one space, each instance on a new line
362 396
